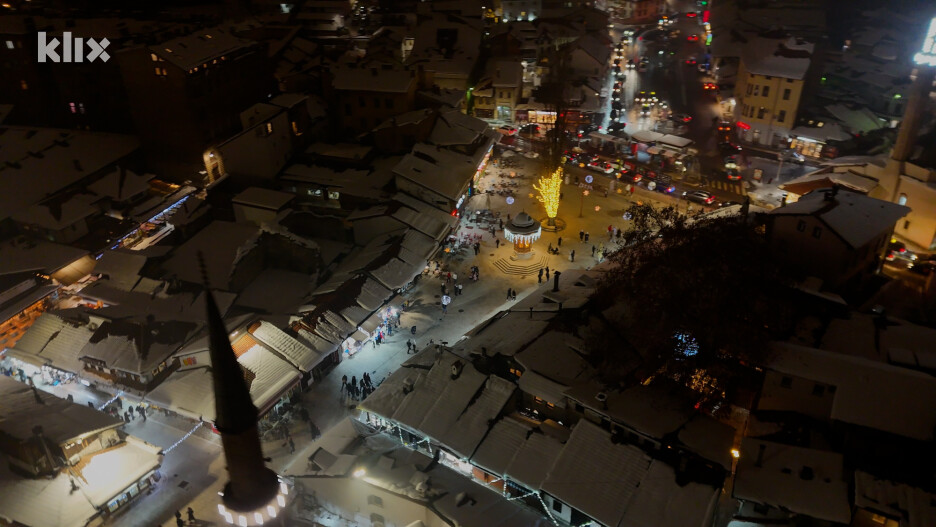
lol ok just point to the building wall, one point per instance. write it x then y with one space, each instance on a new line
786 393
178 113
647 10
521 9
359 111
771 116
255 214
816 250
920 225
354 499
261 151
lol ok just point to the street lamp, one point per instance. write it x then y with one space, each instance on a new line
582 204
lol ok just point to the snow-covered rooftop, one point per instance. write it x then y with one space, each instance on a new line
55 341
61 420
914 506
221 243
801 480
295 352
650 410
787 58
201 48
351 77
856 218
443 171
263 198
868 393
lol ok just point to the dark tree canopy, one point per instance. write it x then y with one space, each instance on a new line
692 300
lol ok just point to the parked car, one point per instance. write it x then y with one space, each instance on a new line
699 196
732 173
691 61
508 130
703 68
531 128
728 204
897 250
793 156
724 126
627 175
645 110
693 38
710 86
682 118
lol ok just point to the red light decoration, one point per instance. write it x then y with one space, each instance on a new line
705 16
743 125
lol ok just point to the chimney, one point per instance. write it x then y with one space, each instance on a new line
251 485
760 455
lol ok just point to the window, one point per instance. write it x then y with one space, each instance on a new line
756 90
801 226
375 500
538 400
760 112
9 44
376 518
744 110
557 506
550 405
766 91
72 107
818 390
295 128
781 116
516 371
269 128
161 72
154 57
81 107
789 81
906 224
750 87
24 85
817 232
902 200
786 94
786 382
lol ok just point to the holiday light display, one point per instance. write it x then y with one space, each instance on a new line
549 188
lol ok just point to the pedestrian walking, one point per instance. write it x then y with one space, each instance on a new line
547 273
412 330
459 287
559 243
572 255
539 276
586 237
179 522
581 235
130 409
178 515
142 413
126 416
353 382
593 251
455 277
509 293
344 382
497 243
448 277
191 515
292 446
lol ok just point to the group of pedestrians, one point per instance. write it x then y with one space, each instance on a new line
539 278
129 414
191 518
583 236
357 390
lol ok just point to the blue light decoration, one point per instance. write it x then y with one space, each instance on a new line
589 179
686 344
927 55
510 200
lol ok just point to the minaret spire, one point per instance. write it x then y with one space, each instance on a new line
251 484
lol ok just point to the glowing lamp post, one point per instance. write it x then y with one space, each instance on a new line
522 230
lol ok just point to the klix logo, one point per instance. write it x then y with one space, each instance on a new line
73 49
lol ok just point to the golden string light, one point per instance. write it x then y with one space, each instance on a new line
549 188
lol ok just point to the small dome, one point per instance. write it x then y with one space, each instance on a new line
523 220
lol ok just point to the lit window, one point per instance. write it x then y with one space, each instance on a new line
207 36
295 129
9 44
269 128
781 116
538 400
81 107
902 200
550 405
72 107
155 57
168 50
24 85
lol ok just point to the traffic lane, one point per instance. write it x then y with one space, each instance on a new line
601 182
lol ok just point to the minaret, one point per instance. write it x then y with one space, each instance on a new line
251 486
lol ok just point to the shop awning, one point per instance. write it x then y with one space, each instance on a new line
653 150
360 335
371 323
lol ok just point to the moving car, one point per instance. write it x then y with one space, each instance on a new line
729 147
631 65
693 38
699 196
530 128
601 166
691 61
724 126
703 68
732 173
924 268
793 156
682 118
728 204
691 14
709 86
645 110
508 130
897 250
660 183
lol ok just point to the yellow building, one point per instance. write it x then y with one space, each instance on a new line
771 76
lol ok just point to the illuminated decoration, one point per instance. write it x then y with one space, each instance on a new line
927 55
743 125
522 230
510 200
589 179
262 514
549 189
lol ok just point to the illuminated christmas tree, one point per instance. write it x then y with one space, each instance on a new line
549 188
